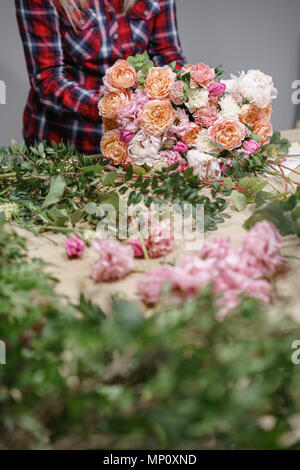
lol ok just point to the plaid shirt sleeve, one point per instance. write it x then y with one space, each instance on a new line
164 46
39 26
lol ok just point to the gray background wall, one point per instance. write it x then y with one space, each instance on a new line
240 34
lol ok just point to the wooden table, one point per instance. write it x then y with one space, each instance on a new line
74 275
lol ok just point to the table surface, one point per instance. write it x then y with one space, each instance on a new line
74 275
293 135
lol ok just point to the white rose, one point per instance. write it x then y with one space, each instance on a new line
197 98
144 148
205 144
230 84
256 87
229 107
203 164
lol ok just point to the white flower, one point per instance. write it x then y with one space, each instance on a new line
203 164
205 144
256 87
197 98
229 107
9 209
230 84
159 164
144 148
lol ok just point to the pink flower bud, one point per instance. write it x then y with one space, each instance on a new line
126 136
74 247
217 89
180 147
251 146
136 246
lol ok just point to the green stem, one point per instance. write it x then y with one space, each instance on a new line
8 175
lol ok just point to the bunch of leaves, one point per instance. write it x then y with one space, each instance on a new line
280 143
142 64
256 164
77 378
57 187
284 213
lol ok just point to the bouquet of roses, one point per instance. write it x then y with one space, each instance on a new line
159 116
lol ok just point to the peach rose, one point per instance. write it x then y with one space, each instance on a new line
206 115
249 114
264 129
120 76
265 112
109 124
112 147
202 74
157 116
229 133
191 135
159 82
111 103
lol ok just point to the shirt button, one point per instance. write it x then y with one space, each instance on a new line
146 12
82 22
110 9
39 76
116 36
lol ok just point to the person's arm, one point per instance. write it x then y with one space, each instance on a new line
165 45
40 32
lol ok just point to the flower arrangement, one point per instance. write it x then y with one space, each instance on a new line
157 116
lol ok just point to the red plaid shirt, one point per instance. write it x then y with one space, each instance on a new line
66 66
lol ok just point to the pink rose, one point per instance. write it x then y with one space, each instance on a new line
116 261
180 147
126 136
175 157
150 285
136 245
262 249
217 89
180 124
176 95
202 74
129 115
206 115
161 238
75 247
237 98
229 164
250 146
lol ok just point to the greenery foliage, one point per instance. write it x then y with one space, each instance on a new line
77 378
284 213
57 187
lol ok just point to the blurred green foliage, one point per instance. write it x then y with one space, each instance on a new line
284 213
77 378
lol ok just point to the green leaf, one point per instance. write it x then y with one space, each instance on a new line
127 315
110 178
129 173
56 191
92 169
91 208
76 216
139 170
239 200
228 183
